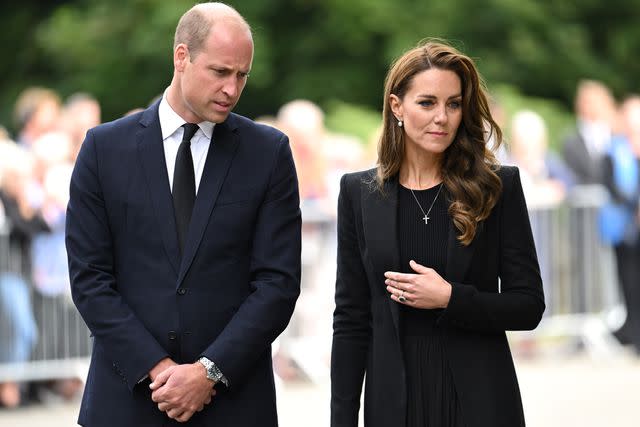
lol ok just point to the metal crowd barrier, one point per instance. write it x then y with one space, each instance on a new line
578 272
60 344
307 340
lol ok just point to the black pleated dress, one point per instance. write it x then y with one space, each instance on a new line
431 394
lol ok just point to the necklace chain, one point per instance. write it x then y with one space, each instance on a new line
425 218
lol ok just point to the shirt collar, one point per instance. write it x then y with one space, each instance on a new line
170 121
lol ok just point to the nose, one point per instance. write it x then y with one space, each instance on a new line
231 87
441 115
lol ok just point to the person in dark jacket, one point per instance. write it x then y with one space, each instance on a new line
183 235
622 179
436 260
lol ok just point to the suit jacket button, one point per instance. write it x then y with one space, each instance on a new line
172 335
182 291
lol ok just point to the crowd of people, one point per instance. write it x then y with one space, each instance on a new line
35 169
603 150
37 161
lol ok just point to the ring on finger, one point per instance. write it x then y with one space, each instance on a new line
402 298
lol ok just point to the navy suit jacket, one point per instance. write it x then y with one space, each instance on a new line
367 327
227 298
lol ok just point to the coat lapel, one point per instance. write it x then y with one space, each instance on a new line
379 212
459 256
151 152
224 143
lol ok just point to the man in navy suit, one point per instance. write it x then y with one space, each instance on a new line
184 303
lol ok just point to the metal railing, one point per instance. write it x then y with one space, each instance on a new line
41 336
578 271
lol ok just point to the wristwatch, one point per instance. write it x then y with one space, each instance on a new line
213 372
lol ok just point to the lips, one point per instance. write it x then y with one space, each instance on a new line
223 104
438 133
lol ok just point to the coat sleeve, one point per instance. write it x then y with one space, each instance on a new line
275 274
351 318
130 346
520 303
617 196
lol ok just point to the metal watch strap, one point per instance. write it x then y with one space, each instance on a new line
213 372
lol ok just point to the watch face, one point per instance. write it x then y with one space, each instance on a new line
211 373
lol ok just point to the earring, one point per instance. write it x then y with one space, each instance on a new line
400 124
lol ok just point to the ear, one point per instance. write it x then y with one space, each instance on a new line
180 57
396 106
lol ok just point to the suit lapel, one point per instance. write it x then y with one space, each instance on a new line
379 212
224 143
151 152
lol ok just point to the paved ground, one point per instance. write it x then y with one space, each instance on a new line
570 392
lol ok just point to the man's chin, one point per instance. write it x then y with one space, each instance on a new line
218 117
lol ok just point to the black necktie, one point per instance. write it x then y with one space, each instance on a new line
184 184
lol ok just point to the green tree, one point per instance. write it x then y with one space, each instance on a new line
327 51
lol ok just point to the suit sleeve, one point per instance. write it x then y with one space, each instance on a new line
520 304
617 196
131 348
351 319
275 275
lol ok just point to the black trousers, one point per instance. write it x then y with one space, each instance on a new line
628 262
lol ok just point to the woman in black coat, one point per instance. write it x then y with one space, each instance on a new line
435 260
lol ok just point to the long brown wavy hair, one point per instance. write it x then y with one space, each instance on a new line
469 167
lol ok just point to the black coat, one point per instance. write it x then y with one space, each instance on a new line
366 320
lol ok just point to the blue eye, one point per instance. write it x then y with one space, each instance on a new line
426 103
455 105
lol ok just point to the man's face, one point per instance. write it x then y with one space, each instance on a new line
211 81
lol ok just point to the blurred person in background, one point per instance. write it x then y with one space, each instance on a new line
583 152
183 237
322 158
545 177
80 113
343 154
500 117
22 208
423 242
545 182
301 352
622 179
53 308
19 222
37 111
303 122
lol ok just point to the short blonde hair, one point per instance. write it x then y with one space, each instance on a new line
195 25
29 101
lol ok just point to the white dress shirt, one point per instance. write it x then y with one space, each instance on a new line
172 130
597 137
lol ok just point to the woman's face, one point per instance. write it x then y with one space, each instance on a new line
431 110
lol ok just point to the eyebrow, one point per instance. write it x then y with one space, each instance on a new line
227 68
435 97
